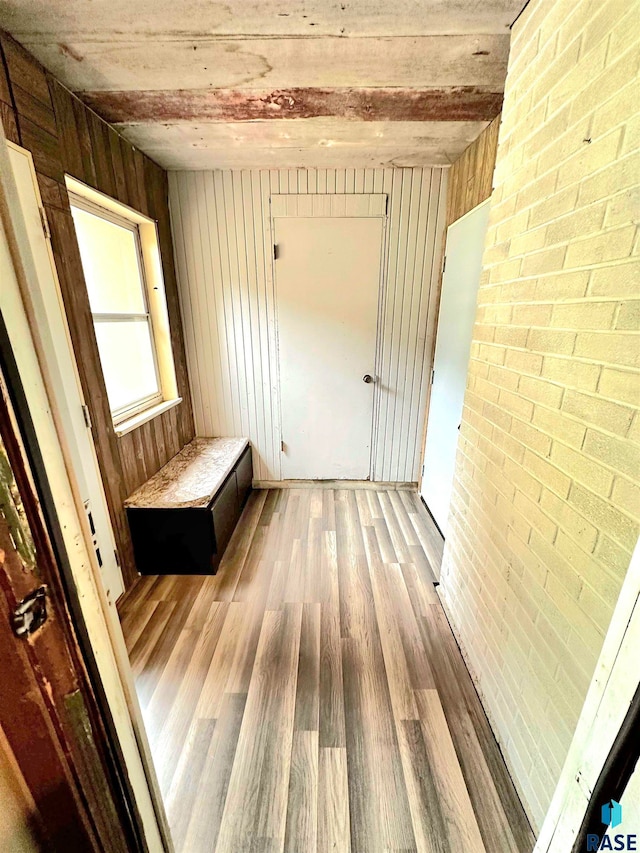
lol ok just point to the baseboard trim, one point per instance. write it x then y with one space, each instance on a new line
332 484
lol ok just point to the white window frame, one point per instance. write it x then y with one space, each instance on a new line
155 313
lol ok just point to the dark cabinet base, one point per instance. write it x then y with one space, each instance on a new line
190 541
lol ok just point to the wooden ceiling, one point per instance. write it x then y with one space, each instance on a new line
201 85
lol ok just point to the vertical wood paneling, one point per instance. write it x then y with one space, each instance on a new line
64 136
222 234
471 176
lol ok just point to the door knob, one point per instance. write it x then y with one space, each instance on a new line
368 378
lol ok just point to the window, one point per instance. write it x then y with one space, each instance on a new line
126 295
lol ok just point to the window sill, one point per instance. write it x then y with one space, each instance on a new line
141 418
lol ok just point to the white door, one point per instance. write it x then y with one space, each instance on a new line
327 283
465 245
64 373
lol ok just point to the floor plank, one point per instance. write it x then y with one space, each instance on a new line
255 807
333 802
311 696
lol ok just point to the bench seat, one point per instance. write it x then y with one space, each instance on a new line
182 518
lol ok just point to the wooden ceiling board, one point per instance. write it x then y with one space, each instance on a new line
453 60
202 84
120 19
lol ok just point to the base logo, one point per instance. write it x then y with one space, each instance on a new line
611 815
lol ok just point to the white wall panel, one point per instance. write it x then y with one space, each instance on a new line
222 233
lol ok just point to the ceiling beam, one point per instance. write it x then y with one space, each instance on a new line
455 103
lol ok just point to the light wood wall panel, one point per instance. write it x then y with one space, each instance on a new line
66 137
223 241
471 176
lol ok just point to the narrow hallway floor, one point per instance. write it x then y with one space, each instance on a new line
311 696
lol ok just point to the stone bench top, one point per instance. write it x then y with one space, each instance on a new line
192 478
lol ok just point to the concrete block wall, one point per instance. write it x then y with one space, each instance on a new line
546 506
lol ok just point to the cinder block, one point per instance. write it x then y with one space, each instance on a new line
536 188
570 520
507 271
626 495
590 569
629 316
548 340
586 315
613 556
536 517
619 348
610 180
615 76
595 411
609 246
562 285
532 315
524 362
531 437
503 378
555 563
541 391
554 206
620 454
598 609
623 385
558 425
604 516
548 475
579 76
617 281
614 111
571 372
581 468
512 336
573 226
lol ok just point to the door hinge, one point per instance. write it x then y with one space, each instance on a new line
282 446
30 613
45 223
87 416
276 252
444 263
433 373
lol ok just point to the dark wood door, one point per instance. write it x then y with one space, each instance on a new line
49 714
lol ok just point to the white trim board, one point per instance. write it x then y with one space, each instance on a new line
353 485
345 205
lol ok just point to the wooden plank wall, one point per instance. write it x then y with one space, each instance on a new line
471 176
64 136
223 246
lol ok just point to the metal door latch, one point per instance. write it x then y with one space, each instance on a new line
30 613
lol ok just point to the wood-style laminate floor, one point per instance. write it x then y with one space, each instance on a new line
311 696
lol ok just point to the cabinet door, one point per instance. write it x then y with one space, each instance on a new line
225 513
244 473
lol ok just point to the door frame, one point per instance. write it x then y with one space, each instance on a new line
47 301
48 671
331 205
100 637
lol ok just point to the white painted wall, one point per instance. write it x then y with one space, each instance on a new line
223 241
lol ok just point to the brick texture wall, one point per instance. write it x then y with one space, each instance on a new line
546 506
